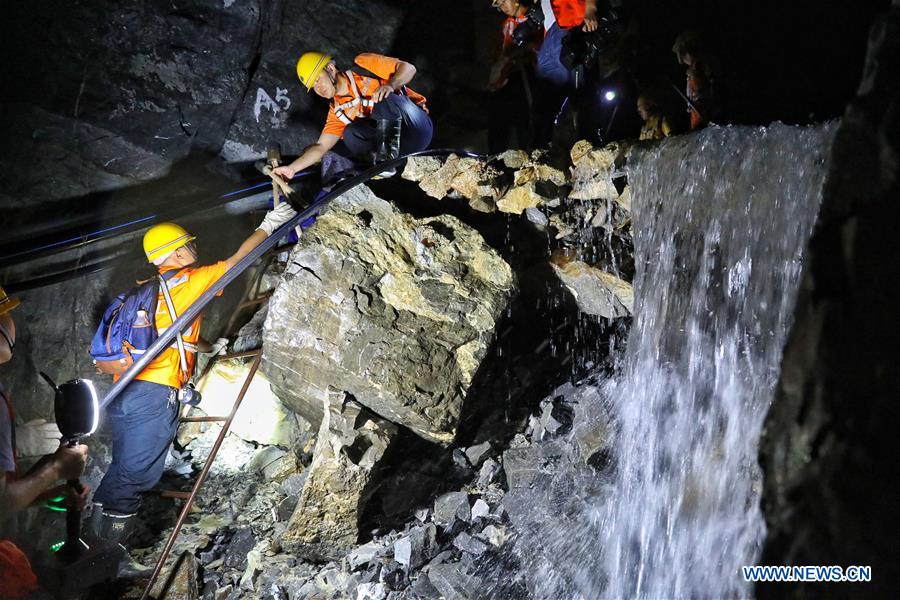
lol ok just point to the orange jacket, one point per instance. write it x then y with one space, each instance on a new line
345 109
568 13
185 288
17 580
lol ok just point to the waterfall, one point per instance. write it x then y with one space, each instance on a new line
721 219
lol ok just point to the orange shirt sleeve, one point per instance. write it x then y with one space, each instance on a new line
200 280
382 66
333 125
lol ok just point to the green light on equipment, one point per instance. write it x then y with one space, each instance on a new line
58 499
56 508
55 547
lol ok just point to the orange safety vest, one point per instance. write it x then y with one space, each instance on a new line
358 103
185 287
568 13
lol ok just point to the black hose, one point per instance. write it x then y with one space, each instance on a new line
94 231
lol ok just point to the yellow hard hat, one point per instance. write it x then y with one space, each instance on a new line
310 65
163 239
7 303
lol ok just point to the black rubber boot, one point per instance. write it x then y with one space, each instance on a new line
117 529
387 143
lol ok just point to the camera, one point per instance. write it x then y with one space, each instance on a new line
584 48
531 28
189 395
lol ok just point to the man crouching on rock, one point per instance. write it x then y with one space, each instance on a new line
375 118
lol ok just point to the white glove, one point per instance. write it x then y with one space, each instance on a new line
37 438
219 347
277 217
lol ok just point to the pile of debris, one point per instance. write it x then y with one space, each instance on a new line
461 545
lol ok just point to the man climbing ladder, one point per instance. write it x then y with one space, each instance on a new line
372 119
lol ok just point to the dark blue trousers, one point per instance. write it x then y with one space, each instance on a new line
415 132
144 419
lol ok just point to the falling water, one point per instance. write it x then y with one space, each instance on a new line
720 222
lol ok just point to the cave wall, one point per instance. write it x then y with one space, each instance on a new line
832 480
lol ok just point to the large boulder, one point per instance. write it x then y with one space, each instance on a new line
396 311
351 442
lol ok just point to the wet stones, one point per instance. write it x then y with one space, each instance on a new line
595 291
416 547
452 507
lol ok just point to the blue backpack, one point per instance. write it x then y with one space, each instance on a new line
127 328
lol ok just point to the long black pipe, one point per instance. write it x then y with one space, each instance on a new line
164 340
95 231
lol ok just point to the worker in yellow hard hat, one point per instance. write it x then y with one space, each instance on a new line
144 417
373 116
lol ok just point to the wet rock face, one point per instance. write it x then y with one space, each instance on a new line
351 442
829 452
397 312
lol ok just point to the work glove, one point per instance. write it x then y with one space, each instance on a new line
219 347
277 217
37 438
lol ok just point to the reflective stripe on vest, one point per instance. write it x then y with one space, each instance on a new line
340 109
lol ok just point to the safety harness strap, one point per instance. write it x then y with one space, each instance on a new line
164 288
340 110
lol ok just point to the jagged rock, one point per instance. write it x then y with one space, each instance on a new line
593 170
480 509
365 553
286 508
488 473
419 167
254 565
474 179
513 159
351 442
520 198
394 310
476 454
454 582
597 292
468 544
371 591
526 466
535 171
537 217
239 547
450 507
495 535
416 547
294 484
592 430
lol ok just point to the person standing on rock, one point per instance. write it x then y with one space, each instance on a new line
144 417
17 580
372 118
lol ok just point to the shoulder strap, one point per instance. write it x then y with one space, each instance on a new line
164 288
